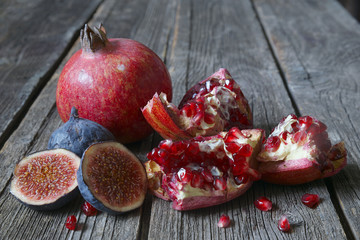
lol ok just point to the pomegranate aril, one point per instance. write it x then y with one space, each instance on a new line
300 137
229 84
245 150
88 209
71 222
208 177
209 118
295 127
272 143
263 203
220 183
310 200
241 179
198 118
233 147
184 175
224 221
284 135
305 121
283 224
239 168
197 180
165 144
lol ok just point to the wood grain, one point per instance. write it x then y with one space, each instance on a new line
34 36
317 47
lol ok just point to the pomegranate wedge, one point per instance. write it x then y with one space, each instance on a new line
204 171
215 104
299 151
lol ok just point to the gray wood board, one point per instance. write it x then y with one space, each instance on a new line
317 46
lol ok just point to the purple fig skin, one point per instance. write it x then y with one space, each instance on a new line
78 134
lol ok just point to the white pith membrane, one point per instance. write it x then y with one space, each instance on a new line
123 161
179 191
53 174
288 150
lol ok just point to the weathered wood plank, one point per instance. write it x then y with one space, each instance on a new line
317 46
33 38
228 34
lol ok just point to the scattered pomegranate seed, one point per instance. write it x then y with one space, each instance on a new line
263 203
88 209
284 224
272 144
71 222
305 121
310 200
224 221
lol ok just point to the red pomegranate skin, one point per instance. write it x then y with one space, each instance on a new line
110 85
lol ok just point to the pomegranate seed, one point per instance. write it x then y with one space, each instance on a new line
284 135
245 150
295 127
224 221
165 144
229 84
305 121
300 137
220 183
88 209
184 175
310 200
284 224
208 177
241 179
233 147
238 168
193 148
71 222
263 204
197 180
198 118
272 143
209 118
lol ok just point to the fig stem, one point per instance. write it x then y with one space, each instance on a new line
74 113
93 40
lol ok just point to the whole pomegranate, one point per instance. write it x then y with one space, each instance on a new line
109 80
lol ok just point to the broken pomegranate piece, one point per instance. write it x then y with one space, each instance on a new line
298 151
204 171
215 104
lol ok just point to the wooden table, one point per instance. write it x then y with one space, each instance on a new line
299 57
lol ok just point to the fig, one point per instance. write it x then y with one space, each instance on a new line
299 151
204 171
213 105
111 178
77 134
46 180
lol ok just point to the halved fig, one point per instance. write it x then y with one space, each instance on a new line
46 180
111 178
213 105
298 151
204 171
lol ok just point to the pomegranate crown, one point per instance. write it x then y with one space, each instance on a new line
93 40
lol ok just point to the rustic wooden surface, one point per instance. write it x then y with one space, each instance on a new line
298 57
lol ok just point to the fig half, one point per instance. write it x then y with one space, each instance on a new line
46 180
111 178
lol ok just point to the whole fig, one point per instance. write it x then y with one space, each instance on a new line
77 134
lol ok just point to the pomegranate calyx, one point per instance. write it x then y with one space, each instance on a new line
93 40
